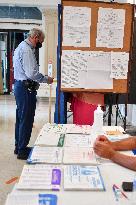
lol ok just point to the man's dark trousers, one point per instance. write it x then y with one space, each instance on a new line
25 112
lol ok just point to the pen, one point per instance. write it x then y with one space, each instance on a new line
115 193
115 186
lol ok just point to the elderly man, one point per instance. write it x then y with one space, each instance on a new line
107 149
27 79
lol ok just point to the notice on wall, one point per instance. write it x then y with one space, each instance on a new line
99 60
72 63
80 69
76 26
92 69
119 65
110 28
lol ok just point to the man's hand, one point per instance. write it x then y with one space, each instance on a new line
103 138
50 80
103 149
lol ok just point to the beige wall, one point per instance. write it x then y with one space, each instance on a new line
49 50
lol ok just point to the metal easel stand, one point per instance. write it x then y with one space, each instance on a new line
118 112
109 113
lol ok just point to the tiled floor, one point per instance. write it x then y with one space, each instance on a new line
10 166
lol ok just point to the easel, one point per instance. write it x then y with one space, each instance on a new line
119 86
118 112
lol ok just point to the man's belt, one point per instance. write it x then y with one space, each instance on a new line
31 85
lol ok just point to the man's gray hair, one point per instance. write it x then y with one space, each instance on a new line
36 32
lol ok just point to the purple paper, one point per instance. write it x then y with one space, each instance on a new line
56 178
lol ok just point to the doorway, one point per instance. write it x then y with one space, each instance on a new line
9 40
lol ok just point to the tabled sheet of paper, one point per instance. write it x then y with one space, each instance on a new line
53 128
78 140
76 155
48 139
110 28
52 155
113 130
114 138
25 199
119 65
76 26
38 177
31 199
83 178
78 129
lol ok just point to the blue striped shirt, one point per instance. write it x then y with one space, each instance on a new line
25 64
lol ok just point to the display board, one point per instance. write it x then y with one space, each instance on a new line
96 46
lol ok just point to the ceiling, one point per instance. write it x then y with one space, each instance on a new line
48 3
31 3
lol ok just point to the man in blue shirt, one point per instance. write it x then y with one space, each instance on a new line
27 78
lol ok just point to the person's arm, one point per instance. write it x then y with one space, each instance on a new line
125 144
103 149
31 68
124 160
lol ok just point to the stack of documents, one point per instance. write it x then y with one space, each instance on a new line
50 139
83 178
113 130
52 155
44 177
76 155
54 128
78 129
117 137
78 140
31 199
